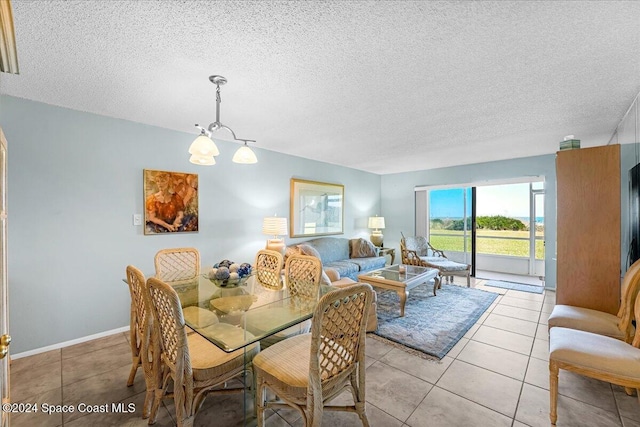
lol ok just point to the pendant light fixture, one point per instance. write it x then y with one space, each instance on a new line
203 149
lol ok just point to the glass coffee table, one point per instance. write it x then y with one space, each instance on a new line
392 278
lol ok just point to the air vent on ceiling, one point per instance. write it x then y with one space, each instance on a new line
8 52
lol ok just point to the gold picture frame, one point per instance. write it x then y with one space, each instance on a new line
316 208
170 202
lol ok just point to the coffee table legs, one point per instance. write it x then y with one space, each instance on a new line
403 294
436 284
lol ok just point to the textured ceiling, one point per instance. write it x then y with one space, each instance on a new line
380 86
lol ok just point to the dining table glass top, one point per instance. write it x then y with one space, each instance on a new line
234 316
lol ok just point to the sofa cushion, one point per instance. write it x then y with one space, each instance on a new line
370 263
361 248
346 268
309 250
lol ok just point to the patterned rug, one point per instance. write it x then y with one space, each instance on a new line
431 324
534 289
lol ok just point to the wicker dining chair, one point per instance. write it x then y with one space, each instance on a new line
177 264
308 370
140 336
302 274
268 269
194 364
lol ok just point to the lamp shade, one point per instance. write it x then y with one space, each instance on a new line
376 222
202 160
245 155
274 226
203 146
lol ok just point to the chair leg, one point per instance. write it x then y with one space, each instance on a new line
357 389
135 362
468 279
260 390
629 391
553 391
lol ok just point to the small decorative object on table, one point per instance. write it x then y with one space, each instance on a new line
401 268
228 274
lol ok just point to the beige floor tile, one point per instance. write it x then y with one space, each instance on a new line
519 424
375 348
511 324
375 416
627 405
443 408
394 391
587 390
39 418
469 334
504 339
547 307
626 422
368 361
24 364
289 415
482 386
107 388
533 410
35 381
516 312
544 318
495 359
93 345
512 293
540 349
538 373
456 349
542 332
427 370
96 362
521 303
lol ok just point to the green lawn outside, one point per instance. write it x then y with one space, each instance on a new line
453 241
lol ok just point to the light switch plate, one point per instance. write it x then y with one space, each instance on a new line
137 219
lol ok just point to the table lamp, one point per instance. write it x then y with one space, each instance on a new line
377 223
275 226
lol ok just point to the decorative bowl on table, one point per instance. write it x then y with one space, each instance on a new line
228 274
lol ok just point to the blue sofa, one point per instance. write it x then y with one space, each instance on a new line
335 254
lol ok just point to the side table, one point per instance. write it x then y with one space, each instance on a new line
388 251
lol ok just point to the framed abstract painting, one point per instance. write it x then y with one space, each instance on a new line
316 208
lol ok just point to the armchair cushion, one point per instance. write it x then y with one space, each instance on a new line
420 245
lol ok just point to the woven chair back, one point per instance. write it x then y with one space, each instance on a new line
169 323
139 315
303 276
177 264
338 332
268 269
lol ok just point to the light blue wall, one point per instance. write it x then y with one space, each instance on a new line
398 196
75 179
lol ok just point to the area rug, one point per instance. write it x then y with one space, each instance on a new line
515 286
431 324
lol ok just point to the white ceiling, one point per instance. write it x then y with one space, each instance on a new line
383 87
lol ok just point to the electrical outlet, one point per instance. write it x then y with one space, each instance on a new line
137 219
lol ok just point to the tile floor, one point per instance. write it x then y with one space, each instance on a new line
497 375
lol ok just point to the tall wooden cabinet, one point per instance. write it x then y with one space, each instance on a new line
588 258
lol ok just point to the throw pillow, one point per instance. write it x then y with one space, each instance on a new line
324 279
290 250
309 250
361 248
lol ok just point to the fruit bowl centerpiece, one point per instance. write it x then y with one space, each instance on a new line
228 274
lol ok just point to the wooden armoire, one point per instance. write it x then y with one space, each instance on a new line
588 261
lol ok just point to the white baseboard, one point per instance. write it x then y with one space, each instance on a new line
69 343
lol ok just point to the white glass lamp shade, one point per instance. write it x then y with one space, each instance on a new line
376 222
203 146
274 226
245 156
202 160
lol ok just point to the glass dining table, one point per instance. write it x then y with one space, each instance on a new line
234 317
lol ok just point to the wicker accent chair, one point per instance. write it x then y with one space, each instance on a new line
594 356
618 326
302 274
177 264
268 269
194 364
308 370
416 250
140 335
